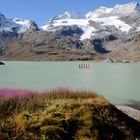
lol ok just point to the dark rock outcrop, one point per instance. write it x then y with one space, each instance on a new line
69 30
1 63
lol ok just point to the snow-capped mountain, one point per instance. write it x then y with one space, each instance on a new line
93 22
102 34
125 9
99 12
16 25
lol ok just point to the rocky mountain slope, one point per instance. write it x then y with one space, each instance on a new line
96 35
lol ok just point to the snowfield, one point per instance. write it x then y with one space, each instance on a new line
115 21
84 25
103 16
91 23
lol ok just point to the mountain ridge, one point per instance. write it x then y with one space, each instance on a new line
103 16
96 35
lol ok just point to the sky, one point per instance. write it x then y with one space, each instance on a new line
42 10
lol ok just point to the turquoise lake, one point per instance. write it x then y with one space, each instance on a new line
118 82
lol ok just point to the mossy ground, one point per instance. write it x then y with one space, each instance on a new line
64 116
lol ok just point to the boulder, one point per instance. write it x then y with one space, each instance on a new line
1 63
109 60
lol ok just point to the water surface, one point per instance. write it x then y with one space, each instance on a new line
118 82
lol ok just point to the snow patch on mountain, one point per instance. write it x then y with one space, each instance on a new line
68 22
115 21
45 27
138 29
16 24
126 8
81 23
8 25
88 32
23 24
98 12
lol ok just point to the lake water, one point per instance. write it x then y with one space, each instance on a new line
118 82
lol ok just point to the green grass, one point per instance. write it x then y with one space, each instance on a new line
64 115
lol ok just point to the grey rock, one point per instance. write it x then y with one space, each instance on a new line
69 31
109 60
